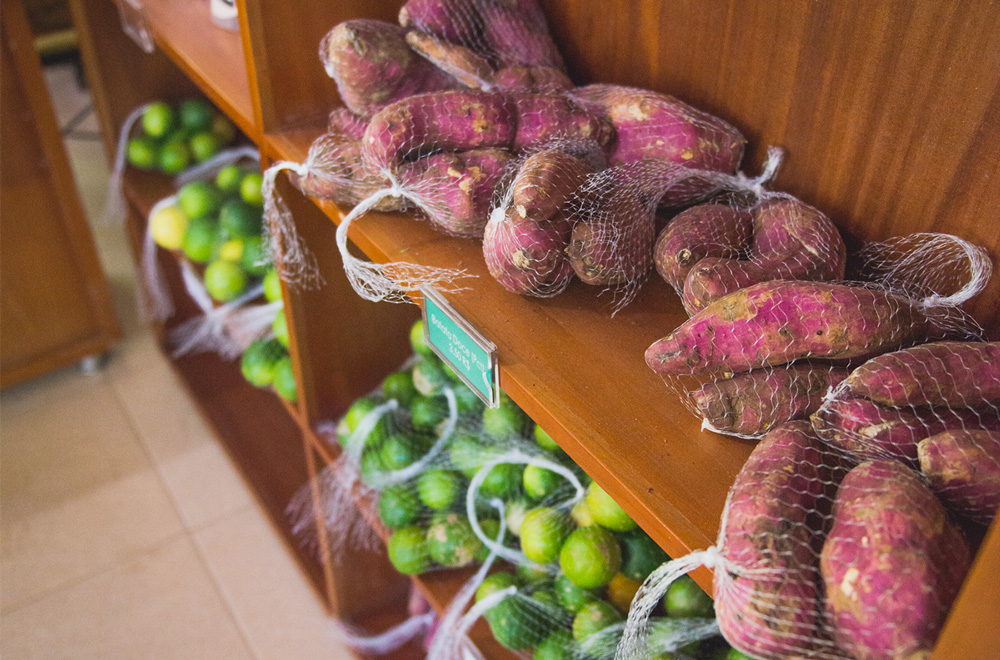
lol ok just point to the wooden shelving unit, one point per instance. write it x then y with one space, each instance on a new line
889 122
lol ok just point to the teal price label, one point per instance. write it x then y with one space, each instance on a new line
456 341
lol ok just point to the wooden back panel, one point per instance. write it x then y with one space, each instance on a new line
889 112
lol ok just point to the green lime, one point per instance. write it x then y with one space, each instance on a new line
466 401
200 239
272 286
540 482
535 574
224 128
199 199
503 480
175 157
514 513
399 386
581 514
408 550
224 280
196 115
506 421
228 179
517 624
260 360
204 145
429 377
359 410
398 451
439 489
572 597
663 633
371 464
543 531
590 557
427 412
491 529
468 454
451 541
592 618
280 328
253 259
250 189
399 506
640 556
557 646
158 118
168 226
549 607
240 219
284 380
143 152
685 599
493 583
606 511
417 341
544 440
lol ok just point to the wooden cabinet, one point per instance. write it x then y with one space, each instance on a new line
56 306
888 115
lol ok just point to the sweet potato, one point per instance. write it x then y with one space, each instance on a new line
869 431
778 322
373 66
526 256
336 172
545 182
946 373
963 469
463 64
450 121
543 118
515 40
892 563
653 126
456 189
792 241
755 402
540 79
706 230
768 601
613 248
347 124
454 20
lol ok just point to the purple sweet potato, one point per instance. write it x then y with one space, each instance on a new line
778 322
457 21
946 373
463 64
892 564
767 602
373 66
753 403
347 124
450 121
963 469
869 431
706 230
792 241
525 256
456 189
539 79
613 248
515 40
545 182
336 172
653 126
542 118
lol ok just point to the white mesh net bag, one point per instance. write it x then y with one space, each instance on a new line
768 353
820 556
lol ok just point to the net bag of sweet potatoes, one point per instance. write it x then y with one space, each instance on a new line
849 531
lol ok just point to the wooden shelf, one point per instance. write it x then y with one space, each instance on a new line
211 56
581 375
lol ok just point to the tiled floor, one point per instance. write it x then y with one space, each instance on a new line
125 531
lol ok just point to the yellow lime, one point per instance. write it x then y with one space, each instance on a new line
272 286
168 226
621 591
231 250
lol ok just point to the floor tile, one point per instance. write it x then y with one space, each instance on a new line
277 610
69 541
205 485
163 605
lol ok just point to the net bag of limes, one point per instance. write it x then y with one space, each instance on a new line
849 531
166 138
213 227
764 353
